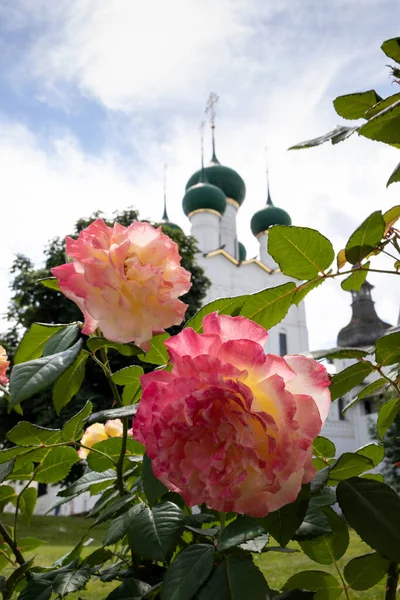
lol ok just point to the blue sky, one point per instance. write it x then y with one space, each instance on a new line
96 95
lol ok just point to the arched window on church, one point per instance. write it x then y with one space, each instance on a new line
282 344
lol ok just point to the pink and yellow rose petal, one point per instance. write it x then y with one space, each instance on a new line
231 426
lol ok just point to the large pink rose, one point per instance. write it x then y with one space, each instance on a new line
230 426
4 364
126 280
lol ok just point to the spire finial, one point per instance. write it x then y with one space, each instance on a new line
202 174
210 109
269 201
165 215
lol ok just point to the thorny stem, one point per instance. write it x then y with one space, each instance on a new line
117 400
17 553
391 582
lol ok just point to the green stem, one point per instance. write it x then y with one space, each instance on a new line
344 584
222 519
17 553
382 374
120 463
18 503
391 582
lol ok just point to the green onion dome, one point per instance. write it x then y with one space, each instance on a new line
224 178
242 252
203 196
266 217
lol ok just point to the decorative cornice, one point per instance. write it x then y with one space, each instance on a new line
244 262
233 203
260 264
204 210
224 253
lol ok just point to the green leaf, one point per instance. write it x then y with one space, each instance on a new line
372 509
258 544
97 557
62 340
70 581
375 452
28 544
188 572
305 288
235 578
130 589
268 307
155 532
114 507
338 134
27 434
385 126
354 106
380 106
50 282
112 413
129 377
374 476
68 385
223 306
340 353
96 343
300 252
315 522
364 572
153 487
392 49
324 584
323 448
37 589
157 355
350 464
394 177
27 502
86 481
112 447
388 349
34 340
56 465
240 530
347 379
369 389
7 494
331 546
118 527
30 378
16 576
392 215
365 238
5 469
282 524
356 279
387 415
73 429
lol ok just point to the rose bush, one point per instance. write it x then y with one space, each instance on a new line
231 426
126 280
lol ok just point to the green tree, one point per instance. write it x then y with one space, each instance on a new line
31 302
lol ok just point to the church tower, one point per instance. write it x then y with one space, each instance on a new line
214 195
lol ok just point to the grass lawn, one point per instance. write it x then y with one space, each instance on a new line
62 533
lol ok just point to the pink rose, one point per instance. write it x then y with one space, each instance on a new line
4 364
126 281
230 426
